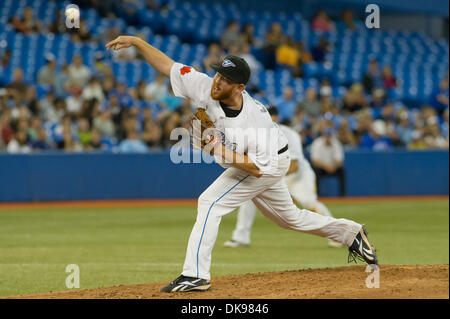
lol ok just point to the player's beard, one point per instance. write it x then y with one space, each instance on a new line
221 95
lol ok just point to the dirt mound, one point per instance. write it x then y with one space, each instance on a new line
395 281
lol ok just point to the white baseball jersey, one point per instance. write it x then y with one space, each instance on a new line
262 138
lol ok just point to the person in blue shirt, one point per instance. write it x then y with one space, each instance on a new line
439 98
376 139
132 144
286 105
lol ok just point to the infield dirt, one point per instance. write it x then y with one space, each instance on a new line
395 281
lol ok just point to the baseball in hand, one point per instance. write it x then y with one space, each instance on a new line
72 13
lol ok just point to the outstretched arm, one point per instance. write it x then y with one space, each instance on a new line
158 60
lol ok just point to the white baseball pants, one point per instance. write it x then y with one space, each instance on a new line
302 189
270 194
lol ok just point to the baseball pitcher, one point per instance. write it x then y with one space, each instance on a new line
246 140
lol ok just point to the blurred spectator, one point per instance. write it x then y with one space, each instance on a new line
231 35
305 55
104 124
74 101
348 20
30 100
272 41
59 23
439 98
84 132
171 121
354 99
93 90
7 131
138 93
152 134
100 67
320 50
95 143
27 24
19 143
389 81
345 134
6 59
310 105
285 105
214 56
372 78
47 74
61 80
404 128
125 98
378 99
170 102
417 142
36 125
376 139
132 144
157 90
253 63
41 142
247 35
327 158
17 86
287 55
433 137
68 143
78 72
321 22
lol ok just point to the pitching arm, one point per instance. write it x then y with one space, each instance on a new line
158 60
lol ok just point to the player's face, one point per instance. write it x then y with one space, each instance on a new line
222 88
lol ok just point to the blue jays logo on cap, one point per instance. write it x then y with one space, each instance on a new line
227 63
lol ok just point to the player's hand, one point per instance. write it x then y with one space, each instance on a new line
120 42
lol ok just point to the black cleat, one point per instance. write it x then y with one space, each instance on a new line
185 284
362 250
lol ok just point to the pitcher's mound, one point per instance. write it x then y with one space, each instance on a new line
395 281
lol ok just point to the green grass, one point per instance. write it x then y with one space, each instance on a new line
114 246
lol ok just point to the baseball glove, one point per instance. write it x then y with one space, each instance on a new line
203 131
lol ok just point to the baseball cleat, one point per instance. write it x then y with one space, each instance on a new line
361 249
233 243
185 284
334 244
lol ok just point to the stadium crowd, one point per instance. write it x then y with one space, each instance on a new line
88 109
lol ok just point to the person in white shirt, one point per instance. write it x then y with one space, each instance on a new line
78 73
301 182
327 157
19 143
256 153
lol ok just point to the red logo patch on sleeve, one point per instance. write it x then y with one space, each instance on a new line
185 69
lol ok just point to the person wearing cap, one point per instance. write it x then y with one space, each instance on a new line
256 154
327 158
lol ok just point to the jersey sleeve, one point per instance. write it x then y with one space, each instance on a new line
294 143
188 83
